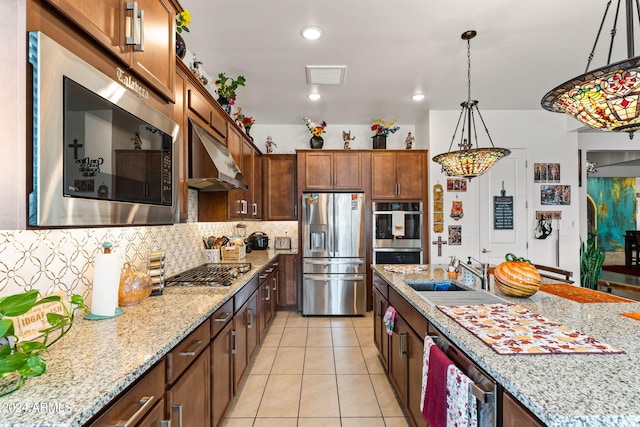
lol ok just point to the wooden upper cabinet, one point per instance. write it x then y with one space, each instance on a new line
328 170
398 175
279 182
201 106
110 23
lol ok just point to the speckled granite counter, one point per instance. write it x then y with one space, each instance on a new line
561 390
97 360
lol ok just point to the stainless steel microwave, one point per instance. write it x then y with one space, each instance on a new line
101 154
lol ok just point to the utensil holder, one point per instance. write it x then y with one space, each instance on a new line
155 266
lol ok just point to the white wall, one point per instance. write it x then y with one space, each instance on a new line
546 140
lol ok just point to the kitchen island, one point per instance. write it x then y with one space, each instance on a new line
560 389
97 360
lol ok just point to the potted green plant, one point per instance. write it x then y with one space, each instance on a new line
21 359
226 88
591 260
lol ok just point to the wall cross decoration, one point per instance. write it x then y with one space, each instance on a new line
439 242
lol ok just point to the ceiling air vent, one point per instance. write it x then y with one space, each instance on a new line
325 74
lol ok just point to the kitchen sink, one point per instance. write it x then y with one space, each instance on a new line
435 298
434 286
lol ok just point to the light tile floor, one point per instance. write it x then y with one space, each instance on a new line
317 372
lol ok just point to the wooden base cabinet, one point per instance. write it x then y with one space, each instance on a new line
515 415
188 399
221 372
380 336
287 295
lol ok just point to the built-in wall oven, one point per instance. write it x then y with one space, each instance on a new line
397 233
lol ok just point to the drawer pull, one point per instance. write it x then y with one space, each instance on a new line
480 394
178 409
227 317
197 344
146 402
234 349
250 313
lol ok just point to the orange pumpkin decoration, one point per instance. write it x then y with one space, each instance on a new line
517 277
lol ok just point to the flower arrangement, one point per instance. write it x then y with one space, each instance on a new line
182 20
380 127
315 128
226 86
247 122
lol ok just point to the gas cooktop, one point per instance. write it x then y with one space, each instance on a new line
209 275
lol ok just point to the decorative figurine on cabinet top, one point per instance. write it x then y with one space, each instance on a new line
346 137
270 144
408 142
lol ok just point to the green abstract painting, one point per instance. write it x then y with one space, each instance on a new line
615 200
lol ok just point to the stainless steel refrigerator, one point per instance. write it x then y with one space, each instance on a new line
333 263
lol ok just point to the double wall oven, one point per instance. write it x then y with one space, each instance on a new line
397 233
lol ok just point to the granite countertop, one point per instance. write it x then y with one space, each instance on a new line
561 389
97 360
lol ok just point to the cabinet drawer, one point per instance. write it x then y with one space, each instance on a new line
137 402
412 316
381 286
221 317
245 293
219 122
186 351
199 106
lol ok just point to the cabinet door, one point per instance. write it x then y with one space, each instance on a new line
273 278
318 171
189 401
347 169
221 374
515 415
279 195
380 336
383 172
180 117
253 340
156 63
239 350
398 360
237 203
410 171
414 351
288 281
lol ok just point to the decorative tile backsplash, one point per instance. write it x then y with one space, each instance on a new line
62 260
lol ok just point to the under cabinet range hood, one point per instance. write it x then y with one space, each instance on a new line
211 166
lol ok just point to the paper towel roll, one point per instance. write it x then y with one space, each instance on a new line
106 281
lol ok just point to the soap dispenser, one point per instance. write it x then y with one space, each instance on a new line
467 277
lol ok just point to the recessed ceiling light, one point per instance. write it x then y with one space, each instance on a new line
418 96
312 33
314 96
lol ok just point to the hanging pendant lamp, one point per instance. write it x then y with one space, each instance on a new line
469 162
606 98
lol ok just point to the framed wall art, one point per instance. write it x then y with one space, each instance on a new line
455 235
555 194
546 172
456 184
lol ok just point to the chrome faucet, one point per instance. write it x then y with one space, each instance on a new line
483 275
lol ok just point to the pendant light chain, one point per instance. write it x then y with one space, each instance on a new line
469 71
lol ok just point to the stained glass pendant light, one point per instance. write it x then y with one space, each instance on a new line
469 162
605 98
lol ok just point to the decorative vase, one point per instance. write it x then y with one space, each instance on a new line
316 142
379 142
181 46
224 103
246 130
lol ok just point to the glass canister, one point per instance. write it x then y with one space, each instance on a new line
134 286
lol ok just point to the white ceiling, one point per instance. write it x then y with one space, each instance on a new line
393 49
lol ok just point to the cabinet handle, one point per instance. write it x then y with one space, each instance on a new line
398 189
481 395
263 276
269 270
178 409
403 340
378 308
234 349
335 179
165 423
255 209
192 353
275 284
295 210
268 294
135 14
250 324
227 317
140 47
146 402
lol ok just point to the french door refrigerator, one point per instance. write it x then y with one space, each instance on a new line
334 253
